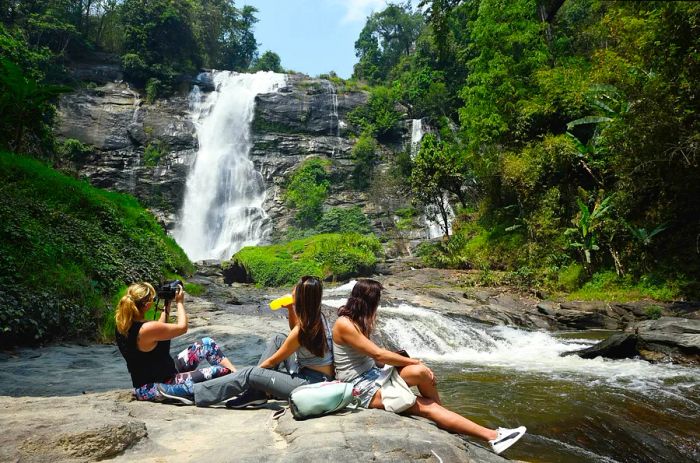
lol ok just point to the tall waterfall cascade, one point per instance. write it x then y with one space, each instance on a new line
432 226
222 211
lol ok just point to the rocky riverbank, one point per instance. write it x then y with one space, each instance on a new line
71 402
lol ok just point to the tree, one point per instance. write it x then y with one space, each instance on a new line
238 44
439 169
386 37
269 61
26 111
159 40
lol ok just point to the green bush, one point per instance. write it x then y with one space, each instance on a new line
73 151
154 88
365 155
608 286
570 278
308 189
66 248
344 220
328 256
152 153
379 116
653 312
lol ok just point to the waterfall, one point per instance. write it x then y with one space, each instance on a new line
222 211
432 226
334 122
416 136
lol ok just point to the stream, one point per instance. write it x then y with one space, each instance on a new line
575 410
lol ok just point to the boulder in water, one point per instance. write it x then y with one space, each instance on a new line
617 346
668 339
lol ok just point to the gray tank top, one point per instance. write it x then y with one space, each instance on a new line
306 358
350 363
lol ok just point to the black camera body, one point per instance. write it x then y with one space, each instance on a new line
168 290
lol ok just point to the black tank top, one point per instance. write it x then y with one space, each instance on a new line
156 366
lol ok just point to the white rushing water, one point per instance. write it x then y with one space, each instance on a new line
431 336
222 211
432 211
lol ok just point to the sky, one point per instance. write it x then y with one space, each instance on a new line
312 36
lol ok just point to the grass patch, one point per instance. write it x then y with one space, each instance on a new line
328 256
607 286
66 248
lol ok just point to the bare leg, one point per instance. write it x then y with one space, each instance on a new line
422 377
443 417
225 362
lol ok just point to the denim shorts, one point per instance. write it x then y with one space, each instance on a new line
366 385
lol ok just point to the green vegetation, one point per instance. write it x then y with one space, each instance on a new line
379 116
66 248
343 220
568 139
329 256
365 155
269 61
307 190
153 152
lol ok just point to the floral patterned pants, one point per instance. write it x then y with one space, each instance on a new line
186 363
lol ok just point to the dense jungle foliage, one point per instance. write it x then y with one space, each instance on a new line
564 133
66 248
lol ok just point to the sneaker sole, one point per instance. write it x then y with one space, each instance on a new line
182 400
252 404
508 441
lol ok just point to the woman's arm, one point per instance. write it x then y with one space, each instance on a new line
292 319
288 347
164 313
152 332
346 332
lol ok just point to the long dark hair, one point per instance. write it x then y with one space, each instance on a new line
362 304
307 304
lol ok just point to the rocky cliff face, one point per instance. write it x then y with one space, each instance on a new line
147 149
141 149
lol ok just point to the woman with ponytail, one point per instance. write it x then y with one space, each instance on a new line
359 361
278 372
145 346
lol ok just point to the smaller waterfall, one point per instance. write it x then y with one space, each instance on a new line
334 122
416 136
432 211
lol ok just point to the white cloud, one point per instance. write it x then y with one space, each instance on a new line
358 10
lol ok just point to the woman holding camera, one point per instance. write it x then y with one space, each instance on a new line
358 361
145 346
278 372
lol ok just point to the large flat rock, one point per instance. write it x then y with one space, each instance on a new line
97 426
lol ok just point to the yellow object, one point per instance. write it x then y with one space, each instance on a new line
287 299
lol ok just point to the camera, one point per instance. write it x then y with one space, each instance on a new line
168 290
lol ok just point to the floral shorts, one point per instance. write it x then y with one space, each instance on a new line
366 385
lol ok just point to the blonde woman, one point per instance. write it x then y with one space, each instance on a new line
145 346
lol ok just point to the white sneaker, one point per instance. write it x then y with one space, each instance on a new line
506 438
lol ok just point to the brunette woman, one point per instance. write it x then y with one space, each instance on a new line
280 371
358 361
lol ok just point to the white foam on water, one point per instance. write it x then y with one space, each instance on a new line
429 335
346 288
336 303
